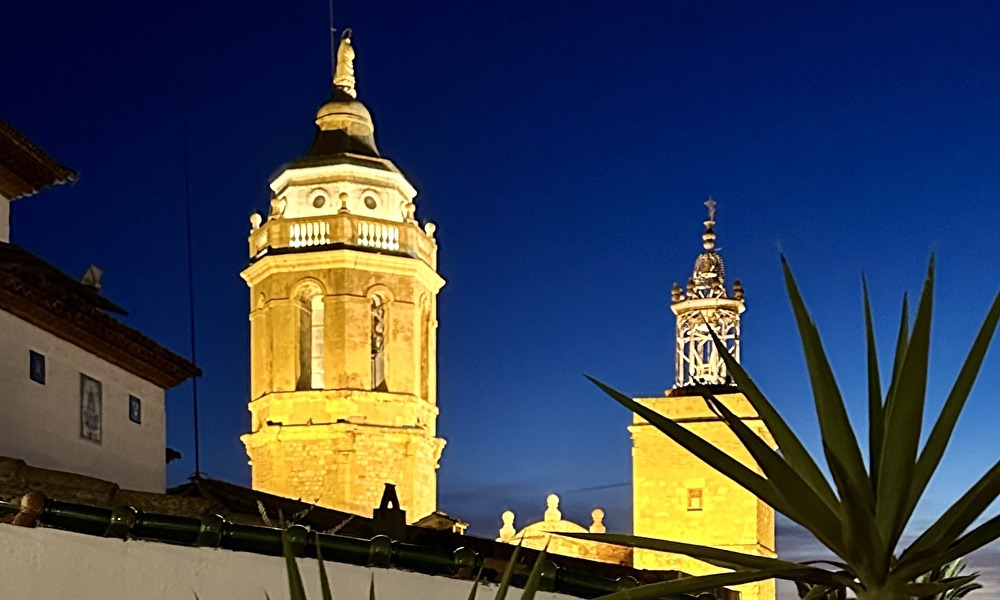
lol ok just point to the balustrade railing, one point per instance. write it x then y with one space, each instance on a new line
345 229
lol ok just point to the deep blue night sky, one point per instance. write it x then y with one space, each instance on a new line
564 149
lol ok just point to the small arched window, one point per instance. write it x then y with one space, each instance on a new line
310 346
378 344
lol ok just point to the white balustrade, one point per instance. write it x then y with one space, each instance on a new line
378 235
310 233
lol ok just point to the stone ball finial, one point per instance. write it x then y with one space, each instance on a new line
255 221
738 290
430 228
507 531
676 293
343 202
411 212
552 512
598 526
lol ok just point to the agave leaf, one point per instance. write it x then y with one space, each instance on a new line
324 580
929 588
715 458
903 417
371 588
508 572
535 577
835 427
704 583
959 516
295 589
475 584
936 443
824 523
876 410
789 445
726 559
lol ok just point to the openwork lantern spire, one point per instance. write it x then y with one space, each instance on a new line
705 303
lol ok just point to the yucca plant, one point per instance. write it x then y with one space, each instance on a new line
861 514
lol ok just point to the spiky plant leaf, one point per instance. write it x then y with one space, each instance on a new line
823 522
371 588
876 409
324 581
904 411
788 443
940 434
508 572
835 426
726 559
475 583
688 585
535 577
295 589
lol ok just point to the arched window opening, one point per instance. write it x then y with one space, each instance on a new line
310 342
378 344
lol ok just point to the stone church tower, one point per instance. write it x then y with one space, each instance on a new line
676 496
343 324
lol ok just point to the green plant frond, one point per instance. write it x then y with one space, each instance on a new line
940 434
789 445
535 577
903 418
324 580
866 550
295 589
902 339
930 588
726 559
835 426
703 583
876 409
959 516
714 457
963 546
475 583
508 572
824 523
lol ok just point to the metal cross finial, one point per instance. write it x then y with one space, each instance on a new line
710 203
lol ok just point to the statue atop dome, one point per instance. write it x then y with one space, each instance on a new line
343 76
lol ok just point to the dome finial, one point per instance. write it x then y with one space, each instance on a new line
343 76
708 238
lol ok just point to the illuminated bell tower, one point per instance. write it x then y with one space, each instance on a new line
676 496
343 324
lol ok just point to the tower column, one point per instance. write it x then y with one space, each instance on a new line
676 496
341 362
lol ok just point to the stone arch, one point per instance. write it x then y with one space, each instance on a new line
380 305
308 297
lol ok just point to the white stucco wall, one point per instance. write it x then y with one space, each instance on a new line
41 423
46 563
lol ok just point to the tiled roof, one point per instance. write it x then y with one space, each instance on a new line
44 296
24 168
